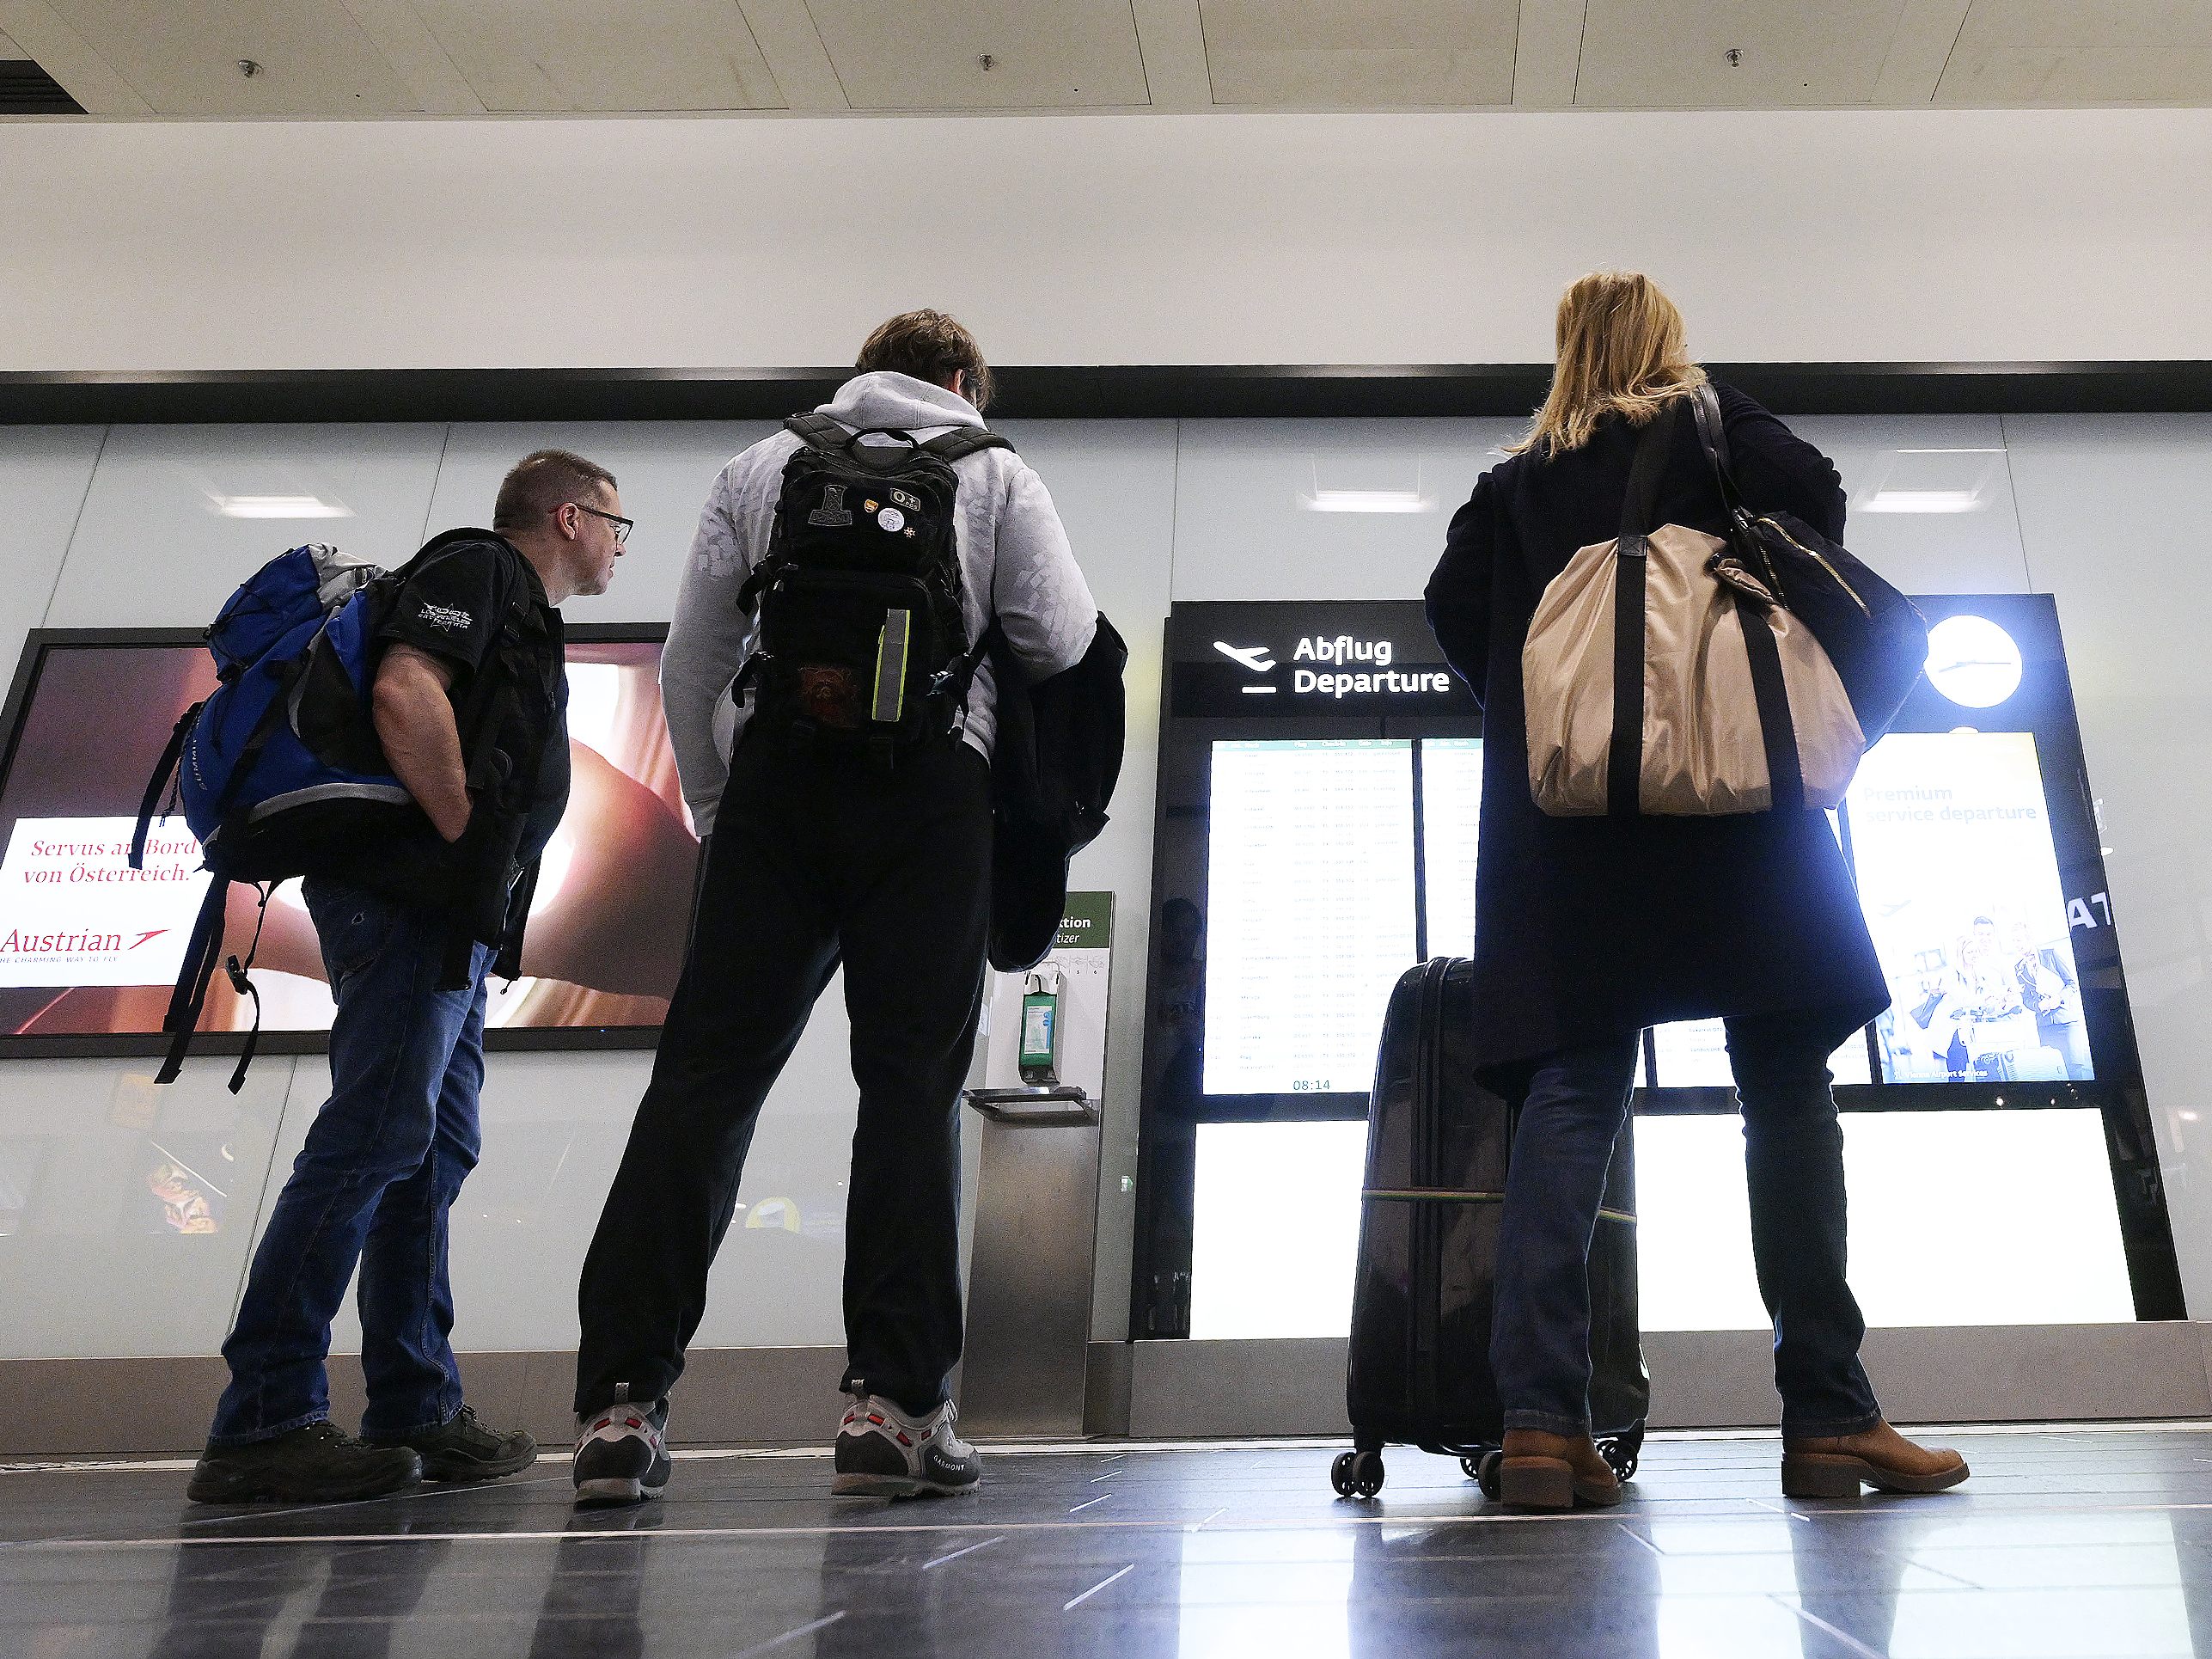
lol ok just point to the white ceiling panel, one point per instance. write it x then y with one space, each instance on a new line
1674 53
2082 52
928 54
335 59
586 55
182 56
1370 54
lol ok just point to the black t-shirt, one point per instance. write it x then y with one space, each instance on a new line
453 607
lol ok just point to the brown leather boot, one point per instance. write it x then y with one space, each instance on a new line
1542 1471
1835 1465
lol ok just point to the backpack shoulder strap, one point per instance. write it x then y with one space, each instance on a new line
819 431
963 441
518 593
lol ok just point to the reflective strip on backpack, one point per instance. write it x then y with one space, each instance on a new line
323 792
891 667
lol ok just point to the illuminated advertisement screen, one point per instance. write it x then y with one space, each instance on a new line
1951 843
90 948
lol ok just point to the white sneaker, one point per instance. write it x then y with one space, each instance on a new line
622 1454
881 1452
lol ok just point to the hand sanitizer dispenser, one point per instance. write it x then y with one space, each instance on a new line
1039 1045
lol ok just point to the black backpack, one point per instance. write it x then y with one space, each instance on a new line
863 642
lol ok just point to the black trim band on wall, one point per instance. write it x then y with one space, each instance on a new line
1130 392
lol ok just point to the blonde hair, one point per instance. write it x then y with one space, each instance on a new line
1621 351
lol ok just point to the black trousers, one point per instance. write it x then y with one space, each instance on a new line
815 858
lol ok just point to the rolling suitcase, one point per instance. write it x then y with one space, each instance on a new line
1437 1148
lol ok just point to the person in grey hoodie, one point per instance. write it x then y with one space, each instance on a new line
816 857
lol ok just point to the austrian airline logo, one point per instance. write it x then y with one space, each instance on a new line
16 941
74 910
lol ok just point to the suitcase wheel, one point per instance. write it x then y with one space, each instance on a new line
1483 1470
1622 1452
1357 1474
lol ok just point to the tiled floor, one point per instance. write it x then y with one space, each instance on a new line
2091 1542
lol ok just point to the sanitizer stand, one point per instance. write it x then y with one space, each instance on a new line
1029 1277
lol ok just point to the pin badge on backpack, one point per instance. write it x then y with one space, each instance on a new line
891 519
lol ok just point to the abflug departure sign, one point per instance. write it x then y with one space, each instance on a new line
1333 667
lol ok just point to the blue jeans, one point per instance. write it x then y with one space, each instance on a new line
1793 1162
383 1161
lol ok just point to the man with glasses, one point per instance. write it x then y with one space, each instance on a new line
470 706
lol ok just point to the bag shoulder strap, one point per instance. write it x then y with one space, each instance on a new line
956 678
819 431
1651 446
1712 438
963 441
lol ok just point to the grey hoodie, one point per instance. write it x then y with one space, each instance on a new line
1014 560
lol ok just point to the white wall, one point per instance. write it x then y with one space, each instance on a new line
115 530
2107 509
1811 235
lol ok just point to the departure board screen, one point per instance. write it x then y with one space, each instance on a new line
1451 827
1318 900
1312 911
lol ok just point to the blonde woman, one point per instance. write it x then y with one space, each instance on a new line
1589 929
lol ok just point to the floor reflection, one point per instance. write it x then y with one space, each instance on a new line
595 1586
336 1601
2097 1542
1846 1592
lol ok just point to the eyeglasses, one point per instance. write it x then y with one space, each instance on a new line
622 526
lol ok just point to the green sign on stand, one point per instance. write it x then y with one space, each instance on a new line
1088 923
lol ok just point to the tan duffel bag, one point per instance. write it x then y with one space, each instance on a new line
1661 678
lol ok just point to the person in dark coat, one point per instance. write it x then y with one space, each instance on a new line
1588 929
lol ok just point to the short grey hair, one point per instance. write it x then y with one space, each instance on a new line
544 479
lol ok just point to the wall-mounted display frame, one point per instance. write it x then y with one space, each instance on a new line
89 948
1316 832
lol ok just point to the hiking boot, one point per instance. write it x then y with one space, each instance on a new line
1835 1465
463 1449
882 1452
1542 1471
316 1463
622 1454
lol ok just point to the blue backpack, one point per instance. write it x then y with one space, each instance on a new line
279 772
255 766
